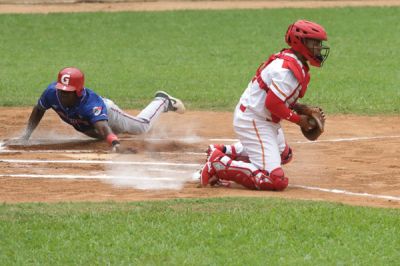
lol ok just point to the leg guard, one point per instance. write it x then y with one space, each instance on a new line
242 176
221 167
275 181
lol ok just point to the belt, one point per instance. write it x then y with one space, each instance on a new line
243 108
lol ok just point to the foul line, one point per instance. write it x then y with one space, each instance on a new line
87 177
326 140
6 151
3 150
42 141
96 162
340 191
335 191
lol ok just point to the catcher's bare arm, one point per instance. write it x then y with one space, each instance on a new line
34 120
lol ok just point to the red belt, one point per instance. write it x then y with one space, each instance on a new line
243 108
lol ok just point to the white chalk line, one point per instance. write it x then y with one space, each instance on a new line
322 141
26 161
335 191
199 139
8 151
218 140
87 177
345 192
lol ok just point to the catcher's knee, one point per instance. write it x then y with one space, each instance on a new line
286 155
276 180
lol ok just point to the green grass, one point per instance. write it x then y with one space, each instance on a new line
204 57
229 231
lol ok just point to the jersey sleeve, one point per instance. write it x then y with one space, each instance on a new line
96 110
45 99
282 82
277 107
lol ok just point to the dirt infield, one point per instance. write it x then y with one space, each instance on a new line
355 162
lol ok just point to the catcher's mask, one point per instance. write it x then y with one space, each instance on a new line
71 79
300 34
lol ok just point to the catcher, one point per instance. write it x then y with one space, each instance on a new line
256 161
95 116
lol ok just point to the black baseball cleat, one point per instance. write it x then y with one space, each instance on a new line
174 104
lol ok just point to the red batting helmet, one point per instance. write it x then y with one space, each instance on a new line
303 29
71 79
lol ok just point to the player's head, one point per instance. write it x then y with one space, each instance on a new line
71 79
306 37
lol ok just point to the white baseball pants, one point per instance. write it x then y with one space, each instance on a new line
263 141
121 122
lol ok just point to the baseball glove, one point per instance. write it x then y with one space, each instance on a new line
316 119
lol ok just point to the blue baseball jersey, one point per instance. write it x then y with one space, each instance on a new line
83 115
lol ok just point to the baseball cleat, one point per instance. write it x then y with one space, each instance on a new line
174 104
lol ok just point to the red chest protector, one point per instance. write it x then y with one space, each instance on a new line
289 63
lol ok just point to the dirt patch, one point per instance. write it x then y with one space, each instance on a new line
351 157
36 6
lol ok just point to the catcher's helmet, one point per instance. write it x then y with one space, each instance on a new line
71 79
301 30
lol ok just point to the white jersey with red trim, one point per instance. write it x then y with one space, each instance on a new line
280 80
258 130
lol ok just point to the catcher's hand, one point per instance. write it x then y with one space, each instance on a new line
312 121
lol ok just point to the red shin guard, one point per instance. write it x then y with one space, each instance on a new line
260 180
224 168
239 175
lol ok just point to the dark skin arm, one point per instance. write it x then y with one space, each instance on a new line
34 120
103 130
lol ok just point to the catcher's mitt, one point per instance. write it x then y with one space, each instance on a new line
316 119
